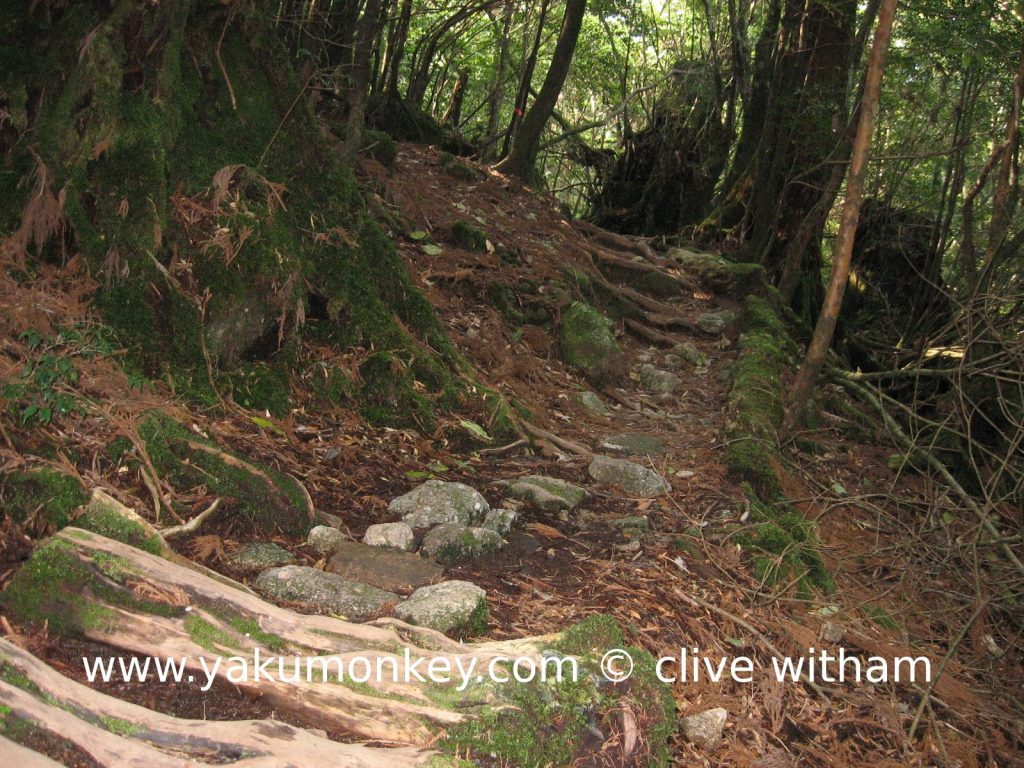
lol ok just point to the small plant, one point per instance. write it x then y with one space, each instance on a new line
40 393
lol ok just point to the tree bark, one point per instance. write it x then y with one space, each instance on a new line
843 251
521 158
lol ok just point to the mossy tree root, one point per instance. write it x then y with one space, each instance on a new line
86 585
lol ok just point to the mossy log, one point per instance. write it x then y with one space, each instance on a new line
86 585
117 733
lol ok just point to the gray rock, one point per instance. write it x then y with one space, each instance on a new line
705 728
393 535
656 380
716 322
548 494
325 592
237 325
500 520
634 479
259 556
449 543
632 523
588 345
436 502
452 607
592 403
672 362
634 444
689 352
324 539
387 569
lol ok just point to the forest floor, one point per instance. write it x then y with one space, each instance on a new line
685 583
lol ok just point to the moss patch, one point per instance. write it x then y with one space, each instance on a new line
50 494
106 522
267 502
468 237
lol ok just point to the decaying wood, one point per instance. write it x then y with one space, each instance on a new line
381 710
153 740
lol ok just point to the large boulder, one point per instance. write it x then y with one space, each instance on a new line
436 502
453 607
328 593
324 539
588 345
633 478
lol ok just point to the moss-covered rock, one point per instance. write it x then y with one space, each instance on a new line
587 344
457 608
381 147
108 517
731 278
468 237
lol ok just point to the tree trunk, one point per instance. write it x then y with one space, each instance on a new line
453 115
523 155
497 96
359 91
824 330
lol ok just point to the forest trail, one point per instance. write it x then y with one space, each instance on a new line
666 567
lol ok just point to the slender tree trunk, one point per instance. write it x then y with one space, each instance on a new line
523 155
829 315
365 34
453 116
525 79
497 97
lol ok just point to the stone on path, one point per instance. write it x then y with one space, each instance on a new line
500 520
438 501
452 607
449 544
393 535
688 351
633 478
634 444
716 322
324 539
656 380
588 345
259 556
387 569
549 494
592 403
705 728
326 592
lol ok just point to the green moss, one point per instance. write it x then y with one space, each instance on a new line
468 237
51 494
390 395
47 588
119 727
503 298
206 635
588 345
106 522
262 506
381 147
250 628
785 549
262 387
